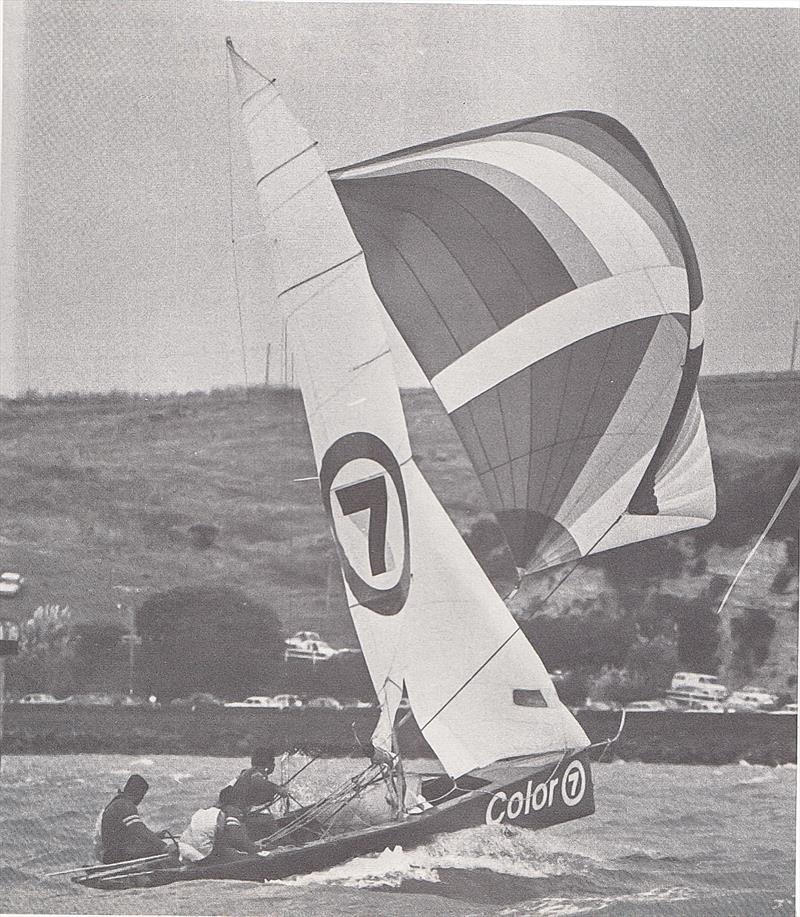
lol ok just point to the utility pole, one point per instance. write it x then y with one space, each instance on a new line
133 640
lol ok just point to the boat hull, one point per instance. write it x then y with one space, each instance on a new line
544 796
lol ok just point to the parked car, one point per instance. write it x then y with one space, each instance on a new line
703 706
327 703
598 705
197 701
131 700
302 636
309 650
651 706
287 701
40 699
696 686
252 703
91 700
358 705
8 577
751 699
787 709
11 583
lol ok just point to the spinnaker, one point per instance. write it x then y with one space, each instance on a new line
544 280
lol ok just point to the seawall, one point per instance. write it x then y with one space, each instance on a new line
665 737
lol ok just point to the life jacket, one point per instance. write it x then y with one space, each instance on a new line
204 829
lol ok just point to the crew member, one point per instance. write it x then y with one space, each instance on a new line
254 791
216 834
123 834
234 840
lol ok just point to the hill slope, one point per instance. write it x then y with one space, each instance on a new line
100 497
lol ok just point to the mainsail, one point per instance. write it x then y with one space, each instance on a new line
545 282
428 620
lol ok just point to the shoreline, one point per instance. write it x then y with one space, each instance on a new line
665 737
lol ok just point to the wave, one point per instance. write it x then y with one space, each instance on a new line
390 868
499 851
593 904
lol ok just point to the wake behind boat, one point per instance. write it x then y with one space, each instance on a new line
541 275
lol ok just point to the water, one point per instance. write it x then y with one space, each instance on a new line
666 840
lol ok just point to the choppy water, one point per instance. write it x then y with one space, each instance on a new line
666 840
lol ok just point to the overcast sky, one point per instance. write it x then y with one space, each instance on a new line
117 266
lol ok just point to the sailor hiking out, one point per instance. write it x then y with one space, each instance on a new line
123 834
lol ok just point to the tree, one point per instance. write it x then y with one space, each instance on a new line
43 660
592 637
698 633
99 658
751 633
652 663
212 639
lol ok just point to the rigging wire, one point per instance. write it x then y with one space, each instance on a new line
233 238
784 500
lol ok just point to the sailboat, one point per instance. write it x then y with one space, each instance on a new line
545 282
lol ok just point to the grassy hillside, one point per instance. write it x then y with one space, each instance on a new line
99 497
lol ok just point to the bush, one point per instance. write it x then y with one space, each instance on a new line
616 686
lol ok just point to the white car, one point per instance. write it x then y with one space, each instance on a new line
11 583
787 710
9 577
325 703
651 706
252 702
40 699
287 701
309 650
703 706
750 699
302 636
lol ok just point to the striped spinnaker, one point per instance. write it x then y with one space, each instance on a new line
544 280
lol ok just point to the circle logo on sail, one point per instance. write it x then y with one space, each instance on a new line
365 499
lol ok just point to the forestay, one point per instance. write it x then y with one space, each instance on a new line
426 616
544 280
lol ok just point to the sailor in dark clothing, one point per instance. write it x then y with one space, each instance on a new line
255 791
123 834
253 786
234 840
